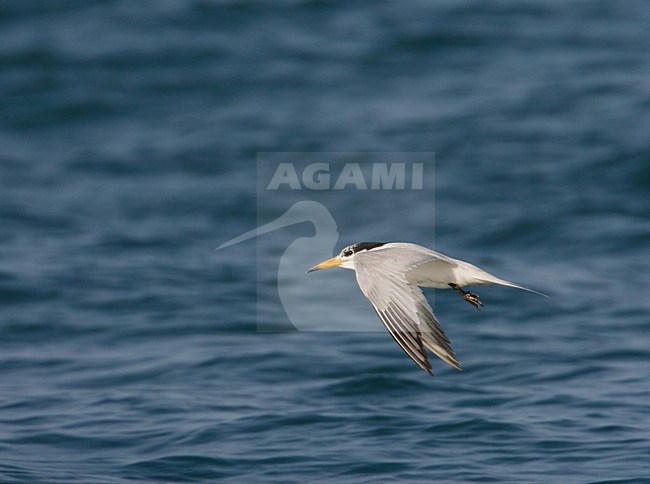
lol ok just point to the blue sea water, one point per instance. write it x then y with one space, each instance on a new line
129 134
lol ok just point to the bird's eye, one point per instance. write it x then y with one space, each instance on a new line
347 252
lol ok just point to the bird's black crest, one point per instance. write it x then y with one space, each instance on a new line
366 246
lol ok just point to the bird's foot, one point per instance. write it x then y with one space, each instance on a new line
473 300
468 296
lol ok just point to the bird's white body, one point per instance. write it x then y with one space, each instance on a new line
433 269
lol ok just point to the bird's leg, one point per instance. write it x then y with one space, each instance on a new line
467 296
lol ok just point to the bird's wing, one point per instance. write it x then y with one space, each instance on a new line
402 308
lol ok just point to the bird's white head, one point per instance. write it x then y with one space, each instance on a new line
345 258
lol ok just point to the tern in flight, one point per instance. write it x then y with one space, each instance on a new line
389 275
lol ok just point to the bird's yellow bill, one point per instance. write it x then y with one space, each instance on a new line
327 264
